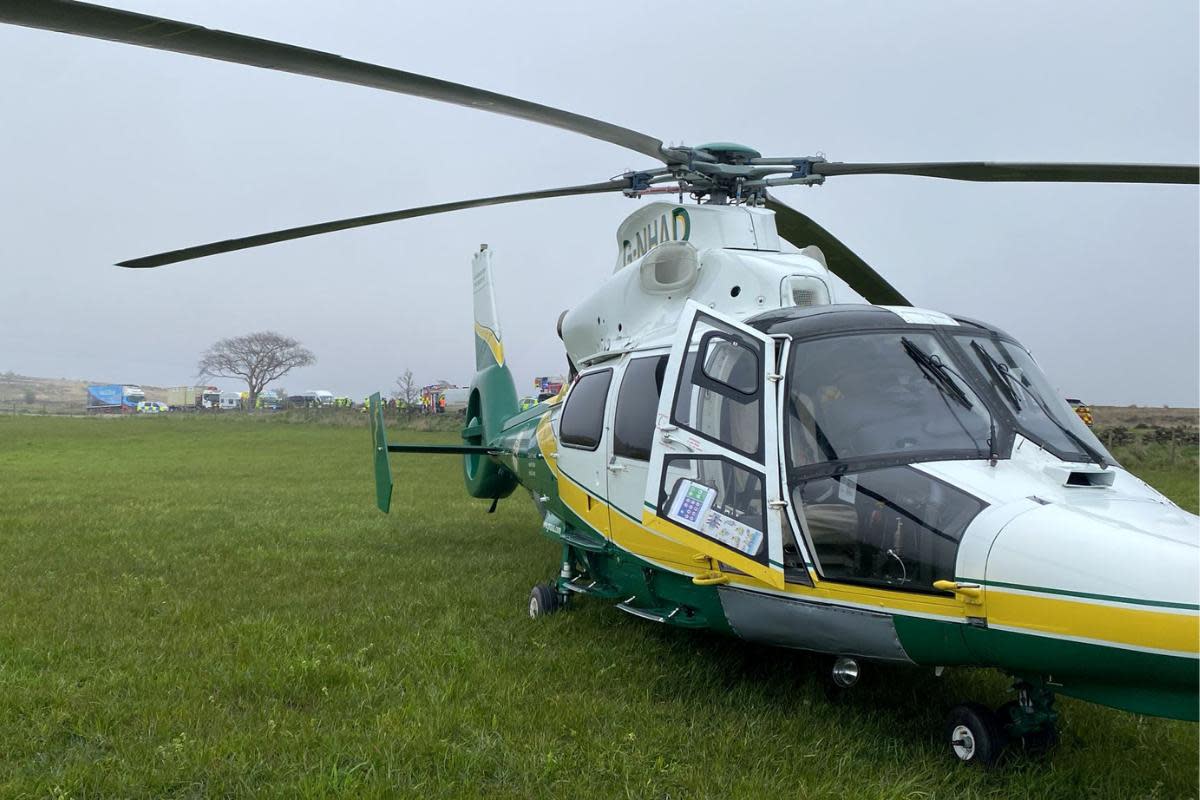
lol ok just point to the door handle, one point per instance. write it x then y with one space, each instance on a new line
970 592
615 467
711 578
669 439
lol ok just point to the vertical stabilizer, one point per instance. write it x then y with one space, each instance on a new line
489 346
493 397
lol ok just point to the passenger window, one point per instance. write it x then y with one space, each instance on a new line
894 527
637 406
719 392
583 417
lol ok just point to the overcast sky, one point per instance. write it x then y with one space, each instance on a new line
112 152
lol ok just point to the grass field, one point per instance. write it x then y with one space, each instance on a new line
213 607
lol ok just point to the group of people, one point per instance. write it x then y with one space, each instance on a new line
425 405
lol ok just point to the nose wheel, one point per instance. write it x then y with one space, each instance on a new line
975 735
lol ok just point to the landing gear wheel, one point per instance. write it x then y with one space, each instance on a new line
974 734
543 600
1036 742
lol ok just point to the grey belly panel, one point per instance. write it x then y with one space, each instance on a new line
822 628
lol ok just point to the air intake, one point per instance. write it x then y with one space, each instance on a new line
670 268
1094 478
803 291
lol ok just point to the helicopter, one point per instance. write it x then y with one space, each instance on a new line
737 451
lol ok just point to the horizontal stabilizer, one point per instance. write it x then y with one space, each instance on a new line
445 449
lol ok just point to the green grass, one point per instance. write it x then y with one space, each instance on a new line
213 607
1173 471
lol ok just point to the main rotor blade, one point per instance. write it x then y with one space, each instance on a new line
999 171
101 22
801 231
229 245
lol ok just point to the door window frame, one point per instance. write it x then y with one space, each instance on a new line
700 379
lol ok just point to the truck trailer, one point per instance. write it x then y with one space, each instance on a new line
113 398
193 398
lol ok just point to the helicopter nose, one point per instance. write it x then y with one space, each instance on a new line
1142 551
1101 597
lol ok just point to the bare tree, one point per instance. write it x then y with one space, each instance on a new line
256 358
407 389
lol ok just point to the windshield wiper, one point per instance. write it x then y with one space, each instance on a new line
936 370
1001 376
1088 450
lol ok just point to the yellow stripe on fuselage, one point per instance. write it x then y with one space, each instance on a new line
587 506
548 445
492 341
642 542
1176 631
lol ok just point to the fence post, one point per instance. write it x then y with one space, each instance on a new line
1173 435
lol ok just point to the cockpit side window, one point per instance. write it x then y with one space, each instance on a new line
719 499
895 527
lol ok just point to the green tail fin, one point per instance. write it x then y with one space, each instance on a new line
493 397
383 471
492 375
489 345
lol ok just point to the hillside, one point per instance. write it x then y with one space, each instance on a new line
1149 416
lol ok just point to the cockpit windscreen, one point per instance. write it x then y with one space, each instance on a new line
1040 412
867 395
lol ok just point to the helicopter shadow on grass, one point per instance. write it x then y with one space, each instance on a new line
901 706
906 701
